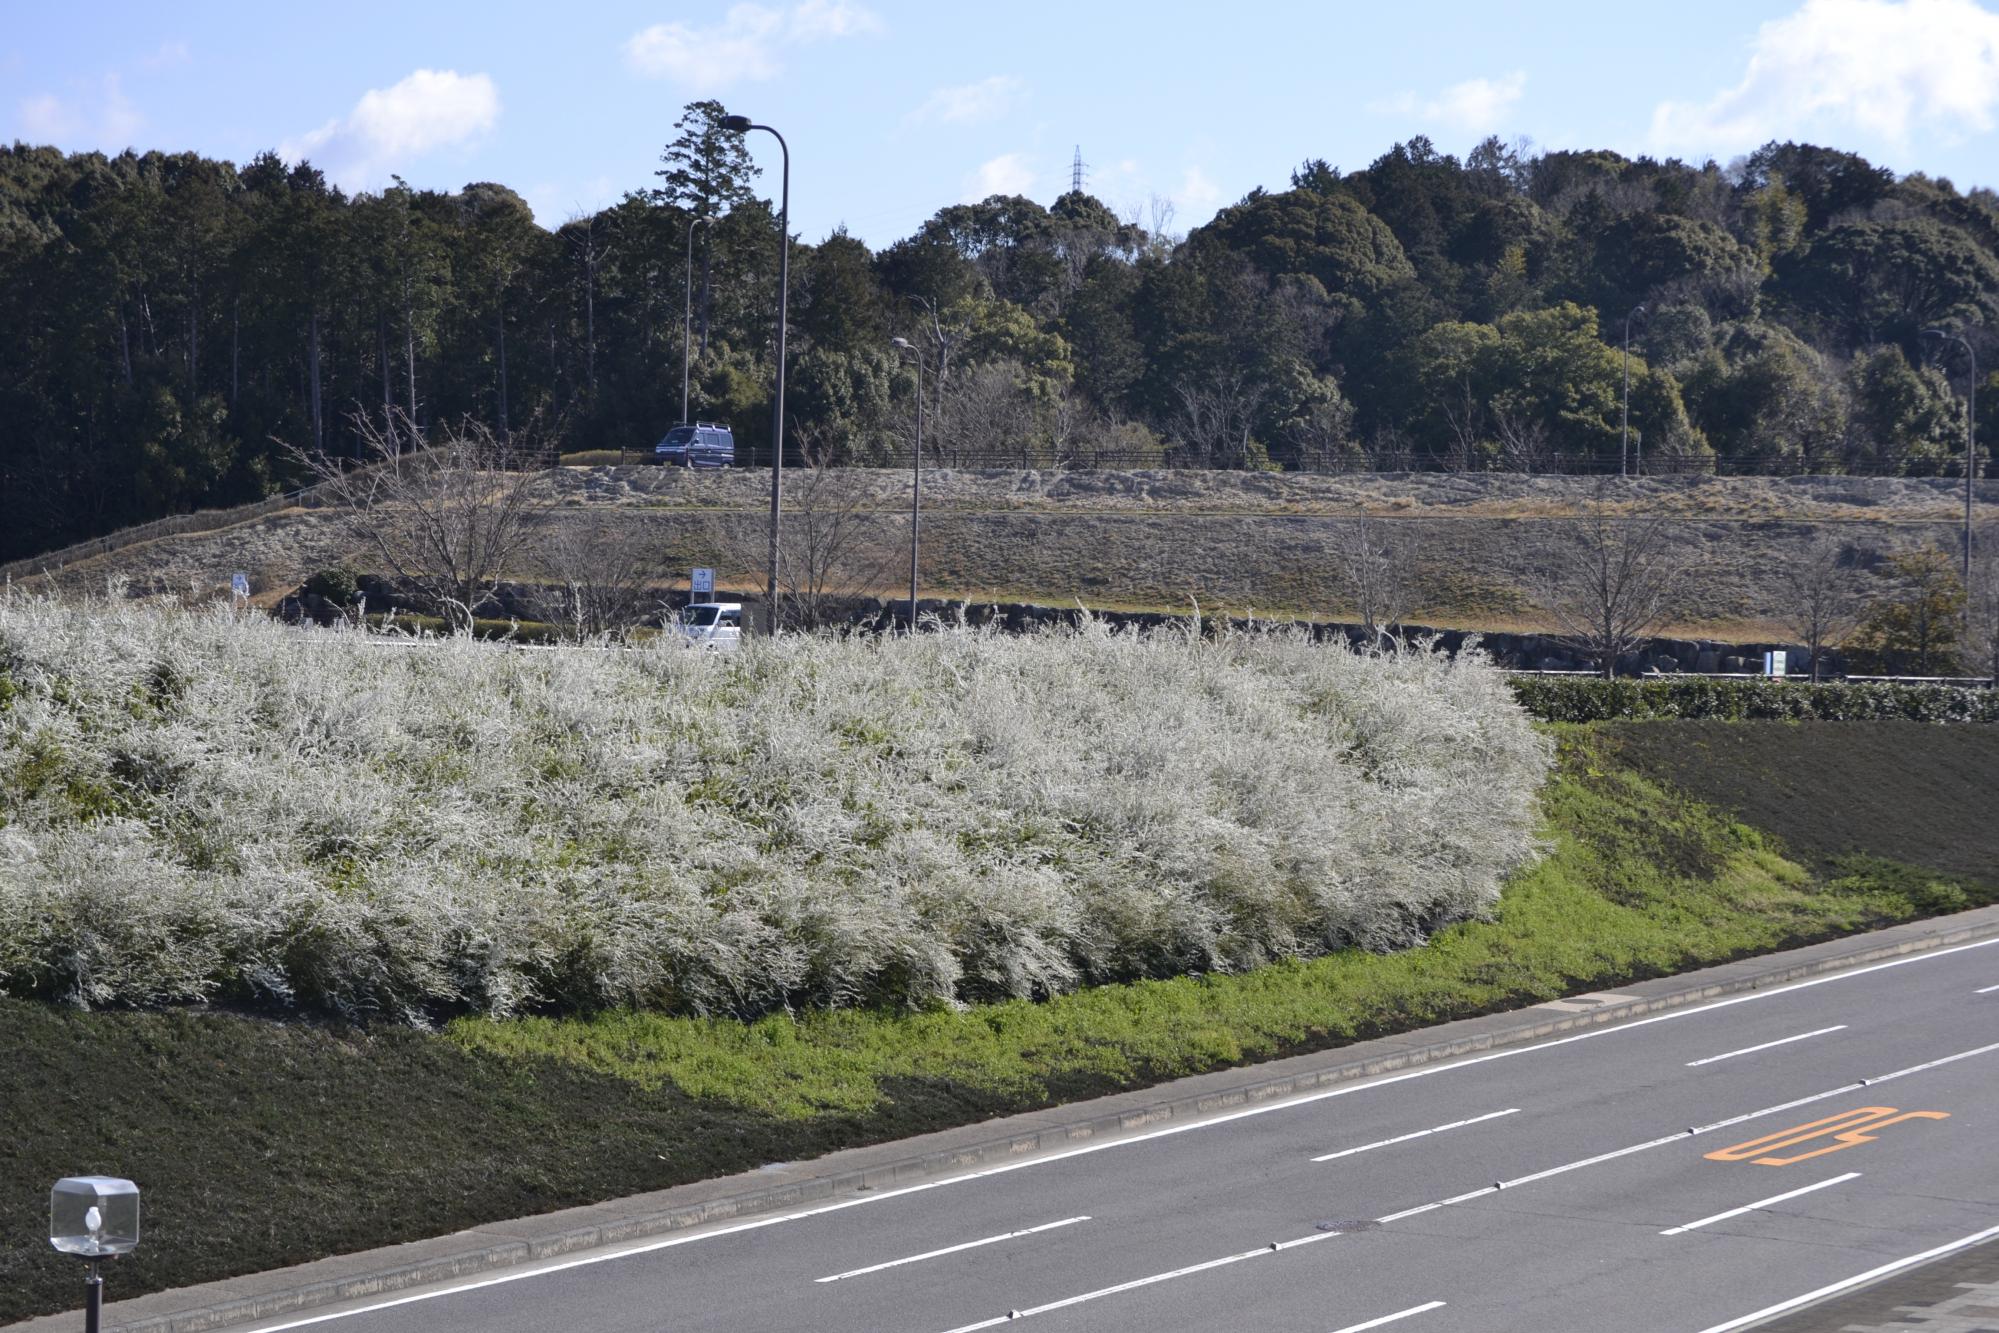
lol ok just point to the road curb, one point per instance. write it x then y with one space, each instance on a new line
491 1249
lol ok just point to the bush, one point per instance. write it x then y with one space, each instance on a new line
339 585
1580 699
309 818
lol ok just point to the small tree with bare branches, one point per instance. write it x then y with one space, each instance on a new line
1824 602
448 518
1615 581
1373 574
607 579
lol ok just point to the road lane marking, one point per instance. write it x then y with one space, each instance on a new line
953 1249
1419 1134
1283 1104
1390 1318
1985 990
1760 1203
1275 1247
1846 1130
1693 1132
1857 1280
1469 1195
1751 1050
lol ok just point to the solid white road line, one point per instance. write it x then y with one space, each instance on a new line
1985 990
1284 1104
1390 1318
1419 1134
1857 1280
954 1249
1469 1195
1751 1050
1760 1203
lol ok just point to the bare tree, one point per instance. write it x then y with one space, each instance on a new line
835 544
1824 603
1215 416
1614 582
448 518
1373 574
1523 440
607 579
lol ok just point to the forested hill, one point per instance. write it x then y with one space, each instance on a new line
167 318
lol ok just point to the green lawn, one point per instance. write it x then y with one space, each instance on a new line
260 1143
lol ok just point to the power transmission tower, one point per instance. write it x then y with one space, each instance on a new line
1078 171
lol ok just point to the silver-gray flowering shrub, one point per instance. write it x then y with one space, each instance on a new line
195 806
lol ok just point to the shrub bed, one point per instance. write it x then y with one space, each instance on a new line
1592 699
196 806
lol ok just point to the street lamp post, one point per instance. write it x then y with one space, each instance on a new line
95 1218
743 124
915 478
687 324
1970 436
1624 453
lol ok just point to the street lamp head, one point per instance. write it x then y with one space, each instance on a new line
1934 333
902 343
737 123
94 1216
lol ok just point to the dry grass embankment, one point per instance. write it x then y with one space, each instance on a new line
1160 540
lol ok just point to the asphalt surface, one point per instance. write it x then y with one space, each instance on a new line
1704 1169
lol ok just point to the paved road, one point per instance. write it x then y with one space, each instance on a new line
1698 1171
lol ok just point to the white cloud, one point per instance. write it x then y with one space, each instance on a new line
556 202
168 55
429 110
744 47
99 115
1008 173
831 18
1197 193
1476 106
971 103
1870 65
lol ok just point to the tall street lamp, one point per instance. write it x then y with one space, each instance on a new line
742 125
915 477
687 326
1624 454
1970 437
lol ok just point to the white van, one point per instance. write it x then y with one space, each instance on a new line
715 626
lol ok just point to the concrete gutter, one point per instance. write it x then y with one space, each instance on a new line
323 1284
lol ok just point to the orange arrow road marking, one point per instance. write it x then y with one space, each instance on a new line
1846 1130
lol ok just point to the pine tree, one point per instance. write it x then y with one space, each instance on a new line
708 169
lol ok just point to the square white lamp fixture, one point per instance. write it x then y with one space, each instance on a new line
94 1216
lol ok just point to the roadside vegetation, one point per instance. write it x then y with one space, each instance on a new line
199 807
261 1143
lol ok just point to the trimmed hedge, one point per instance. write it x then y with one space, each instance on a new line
1591 699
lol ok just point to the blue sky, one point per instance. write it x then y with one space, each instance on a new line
895 109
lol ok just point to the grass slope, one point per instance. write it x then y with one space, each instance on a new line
260 1143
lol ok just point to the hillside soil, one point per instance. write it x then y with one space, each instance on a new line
1240 542
262 1142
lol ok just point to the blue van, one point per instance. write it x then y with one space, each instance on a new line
704 444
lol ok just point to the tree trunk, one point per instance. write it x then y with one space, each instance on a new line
388 400
312 382
125 343
501 308
235 348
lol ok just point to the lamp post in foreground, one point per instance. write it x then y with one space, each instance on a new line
1624 422
1970 438
741 125
687 326
915 477
95 1218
